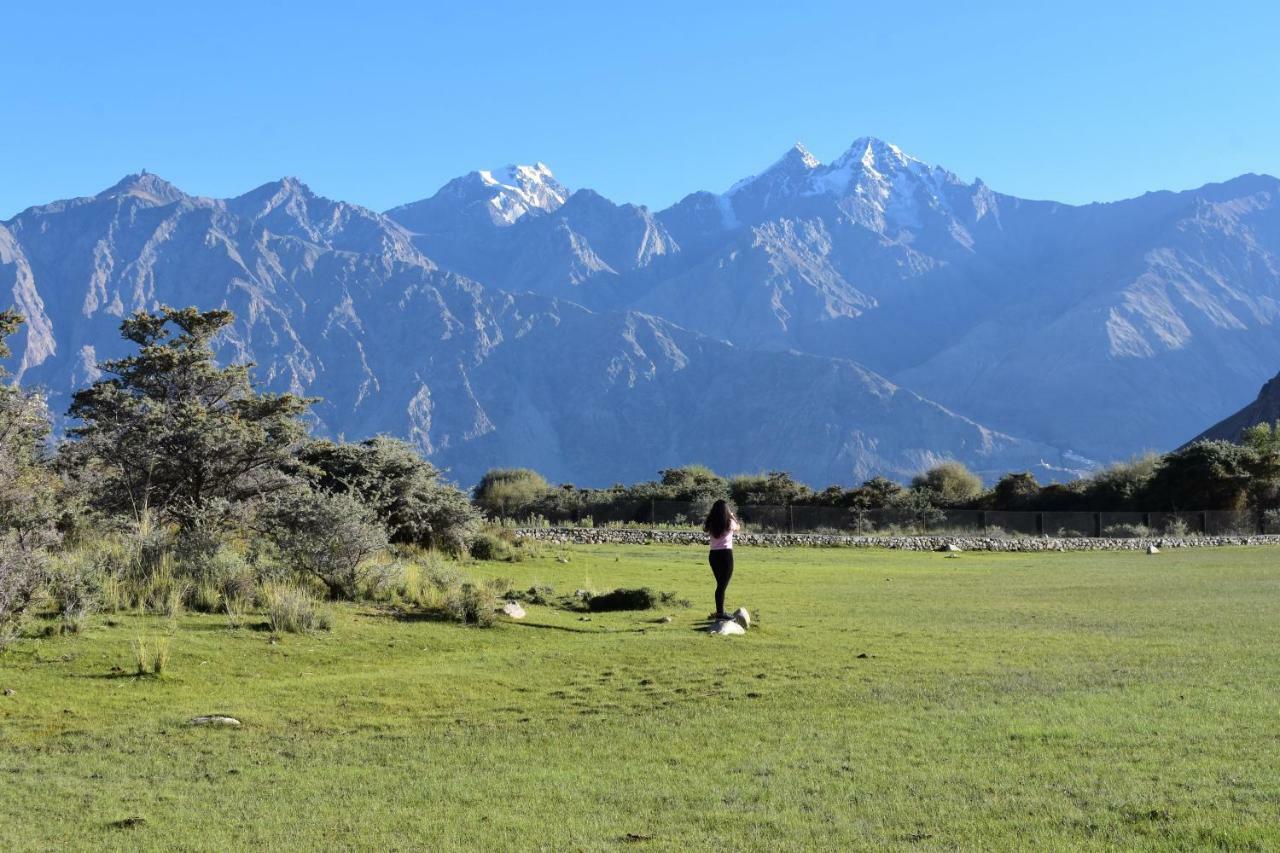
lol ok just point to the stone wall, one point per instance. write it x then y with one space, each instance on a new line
624 536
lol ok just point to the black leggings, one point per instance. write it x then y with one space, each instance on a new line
721 560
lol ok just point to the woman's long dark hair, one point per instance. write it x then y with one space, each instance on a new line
719 520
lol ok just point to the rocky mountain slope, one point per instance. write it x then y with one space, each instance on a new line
509 320
1263 410
1103 329
340 302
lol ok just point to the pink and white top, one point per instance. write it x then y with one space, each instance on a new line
725 542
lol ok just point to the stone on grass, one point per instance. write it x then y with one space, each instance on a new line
950 548
215 720
742 616
8 691
1152 549
513 609
727 628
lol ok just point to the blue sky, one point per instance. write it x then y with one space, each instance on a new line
382 102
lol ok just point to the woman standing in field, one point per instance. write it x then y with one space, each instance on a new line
720 525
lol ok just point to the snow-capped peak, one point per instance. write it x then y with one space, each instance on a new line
517 189
793 164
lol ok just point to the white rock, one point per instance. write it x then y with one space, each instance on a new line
728 628
513 609
742 616
215 720
1152 549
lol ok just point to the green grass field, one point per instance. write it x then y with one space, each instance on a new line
886 700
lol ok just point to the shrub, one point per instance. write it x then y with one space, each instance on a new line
405 492
327 536
291 609
488 546
510 492
22 574
1126 531
952 483
473 604
623 599
918 507
76 588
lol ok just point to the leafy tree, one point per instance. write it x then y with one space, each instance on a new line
693 483
404 491
917 506
1211 475
172 436
1264 487
951 483
326 535
776 488
28 495
510 492
876 493
1121 486
1015 491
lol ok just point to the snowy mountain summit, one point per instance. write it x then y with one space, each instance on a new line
492 197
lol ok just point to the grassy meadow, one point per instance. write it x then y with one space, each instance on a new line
885 700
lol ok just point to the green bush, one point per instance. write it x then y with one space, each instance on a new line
951 482
291 609
473 604
624 599
510 492
76 588
405 492
488 546
327 536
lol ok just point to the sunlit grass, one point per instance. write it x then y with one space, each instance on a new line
885 700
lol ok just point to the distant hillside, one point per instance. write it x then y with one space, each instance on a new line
1264 410
865 316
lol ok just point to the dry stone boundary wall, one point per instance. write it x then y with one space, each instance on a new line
625 536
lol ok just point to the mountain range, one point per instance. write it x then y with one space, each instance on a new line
868 316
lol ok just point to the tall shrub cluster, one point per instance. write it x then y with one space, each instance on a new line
187 486
29 495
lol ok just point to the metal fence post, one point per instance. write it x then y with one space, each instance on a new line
1097 525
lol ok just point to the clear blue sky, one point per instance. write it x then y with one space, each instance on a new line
382 102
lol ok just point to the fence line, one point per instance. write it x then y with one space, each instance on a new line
823 519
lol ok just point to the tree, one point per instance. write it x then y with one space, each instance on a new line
28 494
951 482
777 488
174 437
1211 475
1015 491
1123 485
876 493
404 491
696 483
326 535
1264 486
510 492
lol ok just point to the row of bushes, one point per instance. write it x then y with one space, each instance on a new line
1207 475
